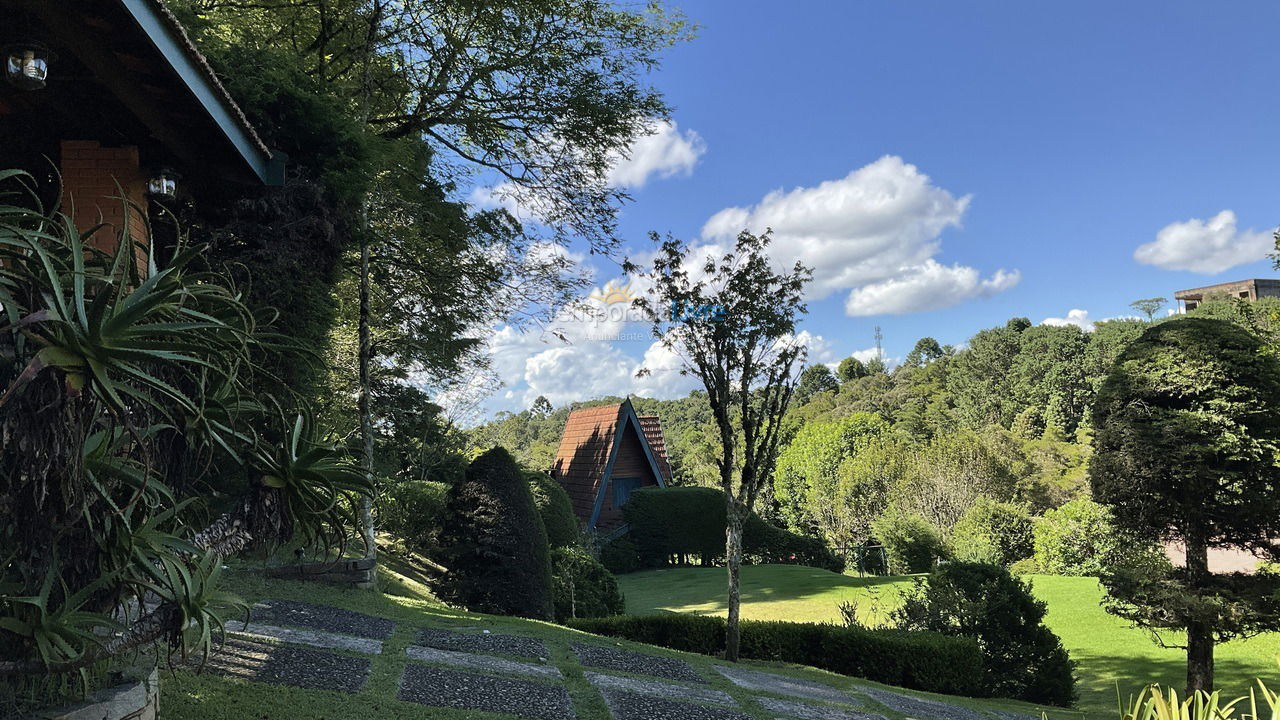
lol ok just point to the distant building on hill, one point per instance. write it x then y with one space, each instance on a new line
605 453
1242 289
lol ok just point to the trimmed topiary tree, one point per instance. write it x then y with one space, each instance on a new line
555 509
1187 447
493 542
1021 657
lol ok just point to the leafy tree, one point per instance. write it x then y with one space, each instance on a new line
734 328
541 407
815 379
1149 306
834 477
1187 446
1022 658
582 587
876 366
912 543
493 542
925 351
981 377
850 368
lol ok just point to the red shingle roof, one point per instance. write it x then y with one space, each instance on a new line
584 452
651 425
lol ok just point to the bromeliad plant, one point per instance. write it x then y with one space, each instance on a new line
121 404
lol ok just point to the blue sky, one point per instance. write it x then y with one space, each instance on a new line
947 166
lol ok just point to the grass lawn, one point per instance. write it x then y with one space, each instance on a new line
187 695
1107 649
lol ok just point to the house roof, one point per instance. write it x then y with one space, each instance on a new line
652 427
587 450
138 51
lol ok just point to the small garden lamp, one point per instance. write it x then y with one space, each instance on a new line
163 184
26 65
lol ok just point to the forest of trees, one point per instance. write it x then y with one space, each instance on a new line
917 452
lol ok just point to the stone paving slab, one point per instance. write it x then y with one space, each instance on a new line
314 638
920 708
805 711
481 662
660 689
435 687
625 705
634 662
487 643
283 665
784 685
322 617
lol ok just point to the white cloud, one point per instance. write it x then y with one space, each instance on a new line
928 286
874 232
1076 316
663 153
1204 246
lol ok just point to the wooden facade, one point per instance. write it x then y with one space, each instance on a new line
607 452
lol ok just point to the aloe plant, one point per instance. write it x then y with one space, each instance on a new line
121 399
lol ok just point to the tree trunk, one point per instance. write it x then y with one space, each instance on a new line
733 561
1199 634
366 419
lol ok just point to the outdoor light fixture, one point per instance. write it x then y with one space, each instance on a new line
26 65
163 184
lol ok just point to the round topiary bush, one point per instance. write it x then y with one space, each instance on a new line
493 542
582 587
913 545
555 509
992 531
1021 657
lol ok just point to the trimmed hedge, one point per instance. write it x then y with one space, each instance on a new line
555 509
919 660
687 521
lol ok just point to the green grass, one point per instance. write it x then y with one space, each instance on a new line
1107 649
404 598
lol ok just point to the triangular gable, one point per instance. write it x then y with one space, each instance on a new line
628 421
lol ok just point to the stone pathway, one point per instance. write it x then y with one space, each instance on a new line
321 617
784 685
485 642
283 665
805 711
920 708
634 662
452 689
659 689
625 705
314 638
481 662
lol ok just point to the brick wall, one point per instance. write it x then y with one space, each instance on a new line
90 194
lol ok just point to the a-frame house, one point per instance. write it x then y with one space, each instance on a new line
607 452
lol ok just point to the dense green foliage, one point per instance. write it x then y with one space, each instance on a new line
992 532
493 543
581 586
919 660
1188 442
126 379
1021 657
1075 539
913 545
675 524
555 509
413 510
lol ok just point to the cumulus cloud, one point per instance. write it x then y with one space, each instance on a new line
1076 316
874 232
663 153
1204 246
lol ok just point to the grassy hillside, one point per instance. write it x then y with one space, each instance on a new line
1107 650
404 598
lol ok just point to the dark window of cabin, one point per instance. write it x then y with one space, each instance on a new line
622 487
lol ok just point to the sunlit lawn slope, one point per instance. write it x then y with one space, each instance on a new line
1107 650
